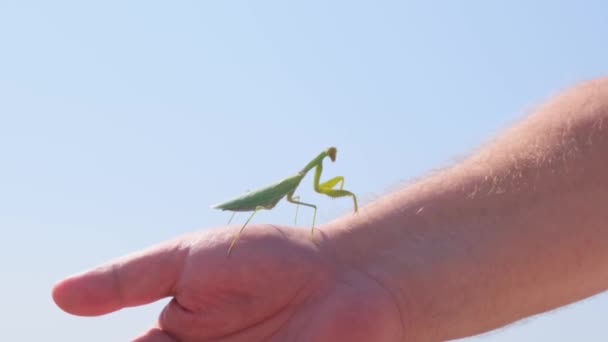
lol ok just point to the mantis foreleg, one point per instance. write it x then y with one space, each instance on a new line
327 187
332 182
340 193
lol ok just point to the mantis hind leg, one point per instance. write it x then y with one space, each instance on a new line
238 235
231 217
296 201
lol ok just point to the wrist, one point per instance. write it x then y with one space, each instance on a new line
426 246
376 243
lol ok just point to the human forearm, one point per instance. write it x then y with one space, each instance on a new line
519 228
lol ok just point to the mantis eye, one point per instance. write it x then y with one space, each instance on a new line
331 152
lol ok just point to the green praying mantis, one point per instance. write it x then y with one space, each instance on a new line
268 196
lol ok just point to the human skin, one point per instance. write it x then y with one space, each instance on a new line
518 228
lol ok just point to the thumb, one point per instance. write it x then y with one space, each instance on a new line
135 279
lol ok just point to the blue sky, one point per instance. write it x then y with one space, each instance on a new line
121 122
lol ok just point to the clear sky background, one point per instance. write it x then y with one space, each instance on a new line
121 122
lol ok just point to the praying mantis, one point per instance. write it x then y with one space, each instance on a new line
268 196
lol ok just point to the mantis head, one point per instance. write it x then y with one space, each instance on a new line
331 152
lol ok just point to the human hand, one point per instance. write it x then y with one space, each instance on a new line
277 285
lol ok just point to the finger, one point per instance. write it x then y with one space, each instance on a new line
135 279
155 335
